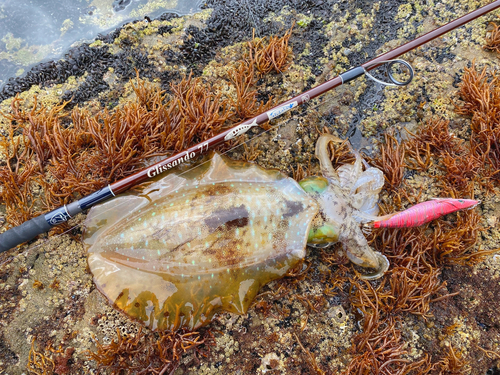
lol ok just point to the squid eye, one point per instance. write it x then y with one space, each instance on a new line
461 201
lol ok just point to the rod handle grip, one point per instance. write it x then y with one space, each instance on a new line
24 232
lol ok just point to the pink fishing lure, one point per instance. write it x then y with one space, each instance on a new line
424 212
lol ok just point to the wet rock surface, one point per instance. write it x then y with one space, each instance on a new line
296 324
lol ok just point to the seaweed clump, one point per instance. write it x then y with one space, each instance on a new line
391 161
464 164
380 346
17 176
411 286
67 154
453 363
38 363
480 98
493 38
245 104
273 54
418 256
71 154
148 353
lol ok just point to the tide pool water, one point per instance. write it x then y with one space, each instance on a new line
33 31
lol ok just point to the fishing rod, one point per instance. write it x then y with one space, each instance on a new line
43 223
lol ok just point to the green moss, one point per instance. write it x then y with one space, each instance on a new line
304 21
